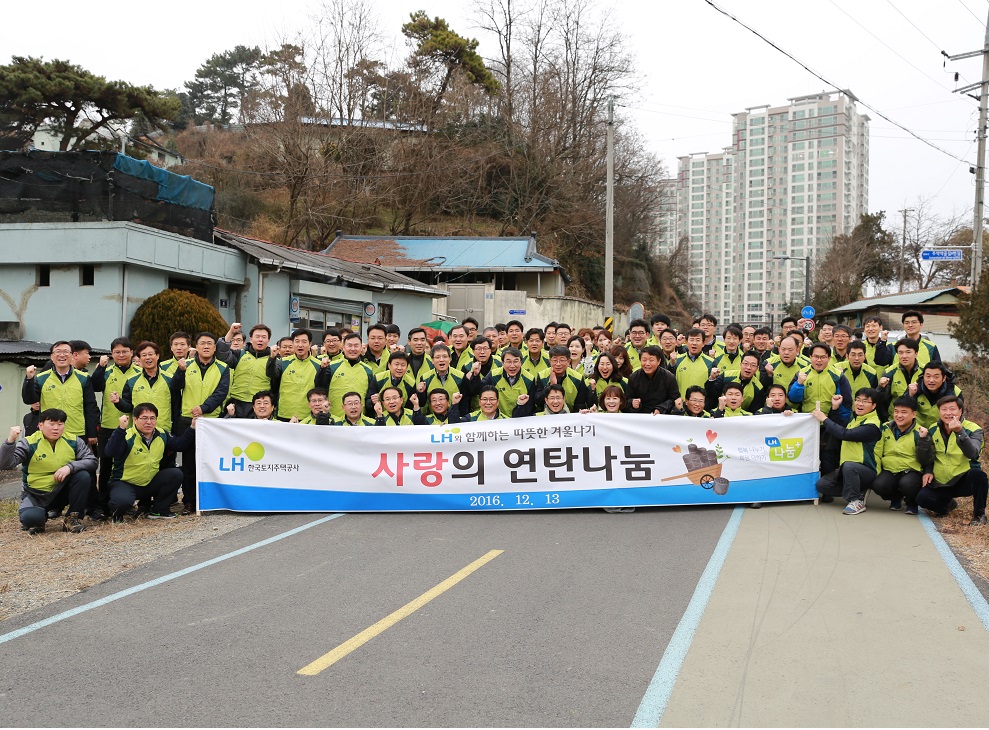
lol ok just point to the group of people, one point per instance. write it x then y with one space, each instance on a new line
892 419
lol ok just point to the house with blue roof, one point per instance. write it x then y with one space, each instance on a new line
492 279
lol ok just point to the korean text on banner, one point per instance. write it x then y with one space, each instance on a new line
555 462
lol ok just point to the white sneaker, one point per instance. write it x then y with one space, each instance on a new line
855 507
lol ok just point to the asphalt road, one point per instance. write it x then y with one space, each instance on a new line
565 627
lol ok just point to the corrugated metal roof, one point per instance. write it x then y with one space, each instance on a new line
332 268
452 253
906 299
25 347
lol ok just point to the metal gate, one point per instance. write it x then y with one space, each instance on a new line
466 300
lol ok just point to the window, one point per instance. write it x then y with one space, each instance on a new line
385 313
87 275
44 275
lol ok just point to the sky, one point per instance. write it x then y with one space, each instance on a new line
694 67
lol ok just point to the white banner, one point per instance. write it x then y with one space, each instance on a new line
551 462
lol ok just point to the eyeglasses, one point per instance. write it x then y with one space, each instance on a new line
146 418
863 400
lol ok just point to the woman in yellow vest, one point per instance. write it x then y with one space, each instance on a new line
950 454
57 471
143 464
896 456
857 463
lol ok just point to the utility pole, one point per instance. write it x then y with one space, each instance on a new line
980 164
903 245
609 225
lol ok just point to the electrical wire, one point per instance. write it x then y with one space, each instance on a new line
889 47
831 83
981 22
936 46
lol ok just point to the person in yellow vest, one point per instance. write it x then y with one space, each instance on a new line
606 374
638 338
110 379
896 454
151 385
856 369
294 376
693 405
180 344
694 367
262 407
461 354
752 381
396 376
57 471
441 375
489 399
204 382
353 411
319 409
391 410
857 465
949 453
927 351
535 359
376 353
659 323
350 373
878 354
333 344
708 324
730 402
936 381
819 382
419 358
444 409
508 380
898 380
730 360
66 389
249 366
776 404
559 372
144 465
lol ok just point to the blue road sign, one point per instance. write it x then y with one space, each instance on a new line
808 312
941 254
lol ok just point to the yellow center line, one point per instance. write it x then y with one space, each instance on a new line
330 658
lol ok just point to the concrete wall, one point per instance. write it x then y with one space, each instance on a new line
540 310
11 408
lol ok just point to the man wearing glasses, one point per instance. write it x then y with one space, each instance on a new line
858 467
820 382
66 389
143 464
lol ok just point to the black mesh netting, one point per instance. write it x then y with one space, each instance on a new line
41 186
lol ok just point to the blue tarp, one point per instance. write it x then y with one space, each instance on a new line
172 188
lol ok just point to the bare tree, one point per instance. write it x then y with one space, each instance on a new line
346 37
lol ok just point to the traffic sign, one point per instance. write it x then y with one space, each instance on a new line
941 254
808 312
294 310
806 324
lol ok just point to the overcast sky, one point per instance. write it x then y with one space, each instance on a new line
695 65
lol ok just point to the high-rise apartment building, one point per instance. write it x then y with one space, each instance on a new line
793 178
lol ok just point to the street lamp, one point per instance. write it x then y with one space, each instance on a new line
806 260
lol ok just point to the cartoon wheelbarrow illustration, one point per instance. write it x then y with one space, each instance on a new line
703 469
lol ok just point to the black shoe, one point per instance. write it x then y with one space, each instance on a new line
188 509
97 514
911 509
161 516
896 504
755 505
54 514
980 520
36 530
826 499
73 523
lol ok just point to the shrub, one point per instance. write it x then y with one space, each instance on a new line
172 310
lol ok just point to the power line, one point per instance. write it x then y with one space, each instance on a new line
936 46
981 21
891 49
831 83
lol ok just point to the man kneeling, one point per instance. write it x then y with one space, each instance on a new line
57 471
857 459
143 464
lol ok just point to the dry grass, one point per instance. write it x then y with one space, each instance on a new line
40 569
970 544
